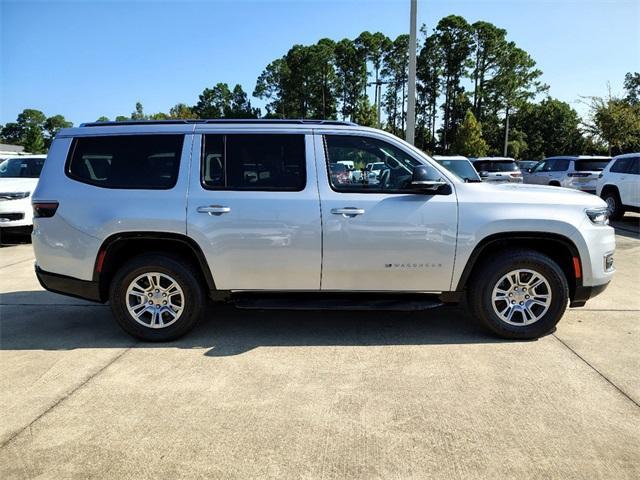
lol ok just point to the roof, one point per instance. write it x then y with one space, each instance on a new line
260 121
493 159
6 148
580 157
449 157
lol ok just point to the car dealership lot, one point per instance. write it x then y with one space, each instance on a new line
318 395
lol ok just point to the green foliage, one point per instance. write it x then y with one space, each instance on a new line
138 113
469 141
33 130
221 102
103 119
632 86
122 118
550 127
616 123
182 111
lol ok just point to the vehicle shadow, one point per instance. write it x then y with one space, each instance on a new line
628 226
227 331
9 238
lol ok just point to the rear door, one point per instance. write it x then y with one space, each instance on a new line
254 208
630 183
377 234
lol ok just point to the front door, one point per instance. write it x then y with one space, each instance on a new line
254 210
378 235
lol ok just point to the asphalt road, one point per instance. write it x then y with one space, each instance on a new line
316 394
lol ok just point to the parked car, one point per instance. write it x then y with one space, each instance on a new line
459 165
18 180
580 173
527 165
497 169
132 213
619 185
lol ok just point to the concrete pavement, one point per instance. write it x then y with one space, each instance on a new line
317 394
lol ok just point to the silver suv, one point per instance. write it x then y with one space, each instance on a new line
580 173
155 217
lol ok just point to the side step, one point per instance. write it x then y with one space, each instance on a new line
336 301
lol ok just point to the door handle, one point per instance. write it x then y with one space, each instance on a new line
214 209
347 211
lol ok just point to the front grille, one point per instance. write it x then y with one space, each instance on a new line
11 216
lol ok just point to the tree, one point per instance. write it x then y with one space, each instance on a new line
632 86
616 122
213 102
551 127
515 83
27 131
455 42
138 114
240 106
374 46
122 118
428 72
103 119
469 141
489 43
395 71
350 72
271 86
182 111
52 126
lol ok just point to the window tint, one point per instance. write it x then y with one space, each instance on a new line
634 168
21 167
557 165
590 165
254 162
462 168
622 165
496 166
127 161
378 166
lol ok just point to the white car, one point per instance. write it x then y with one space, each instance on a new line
619 184
497 169
577 172
18 179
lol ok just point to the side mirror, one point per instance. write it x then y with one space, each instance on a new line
484 174
421 180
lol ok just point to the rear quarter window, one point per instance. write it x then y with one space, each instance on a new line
147 162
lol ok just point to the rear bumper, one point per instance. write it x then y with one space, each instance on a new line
69 286
583 294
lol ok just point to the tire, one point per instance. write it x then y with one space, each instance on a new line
186 301
614 204
491 275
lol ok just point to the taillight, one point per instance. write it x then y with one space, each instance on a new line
516 174
44 209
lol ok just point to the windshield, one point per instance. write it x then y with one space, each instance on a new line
495 166
462 168
591 165
21 167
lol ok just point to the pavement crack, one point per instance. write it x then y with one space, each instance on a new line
62 399
625 394
16 263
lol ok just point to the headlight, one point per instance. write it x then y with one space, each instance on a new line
598 216
13 195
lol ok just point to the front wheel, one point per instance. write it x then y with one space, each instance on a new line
520 295
156 298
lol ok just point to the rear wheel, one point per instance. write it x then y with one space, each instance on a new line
521 295
156 298
614 205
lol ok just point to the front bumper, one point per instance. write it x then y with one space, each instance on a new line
69 286
16 213
582 294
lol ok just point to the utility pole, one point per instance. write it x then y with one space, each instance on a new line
411 100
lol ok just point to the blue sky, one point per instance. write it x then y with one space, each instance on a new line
84 59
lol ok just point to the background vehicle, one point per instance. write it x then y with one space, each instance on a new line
18 180
526 165
580 173
619 185
459 165
497 169
155 216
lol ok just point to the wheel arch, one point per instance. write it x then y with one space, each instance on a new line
558 247
121 247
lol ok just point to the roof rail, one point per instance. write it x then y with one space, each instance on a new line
277 121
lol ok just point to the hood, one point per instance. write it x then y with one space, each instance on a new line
531 194
18 184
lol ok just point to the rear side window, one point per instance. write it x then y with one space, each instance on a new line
149 162
557 165
590 165
265 162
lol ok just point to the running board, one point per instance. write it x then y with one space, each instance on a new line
336 301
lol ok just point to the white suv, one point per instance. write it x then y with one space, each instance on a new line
619 185
18 180
157 216
580 173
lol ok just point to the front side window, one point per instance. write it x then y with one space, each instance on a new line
254 162
21 167
148 162
377 165
558 165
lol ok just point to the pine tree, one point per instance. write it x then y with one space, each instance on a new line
468 140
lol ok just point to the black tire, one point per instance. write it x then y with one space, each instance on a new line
614 204
487 275
179 270
554 184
